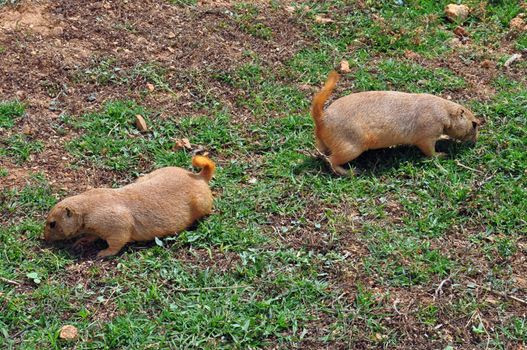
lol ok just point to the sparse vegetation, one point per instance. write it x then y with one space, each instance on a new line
411 253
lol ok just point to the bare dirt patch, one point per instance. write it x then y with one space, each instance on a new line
34 19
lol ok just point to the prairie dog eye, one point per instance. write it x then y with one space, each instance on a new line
52 224
474 125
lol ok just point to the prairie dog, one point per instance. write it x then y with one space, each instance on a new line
159 204
379 119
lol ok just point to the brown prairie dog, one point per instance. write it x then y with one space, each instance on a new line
159 204
379 119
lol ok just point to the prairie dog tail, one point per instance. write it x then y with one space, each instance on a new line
317 106
207 165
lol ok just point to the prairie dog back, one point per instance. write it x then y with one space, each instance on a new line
159 204
379 119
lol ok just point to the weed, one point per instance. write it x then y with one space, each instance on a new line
9 112
19 147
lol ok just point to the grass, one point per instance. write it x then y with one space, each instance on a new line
19 147
248 20
292 256
9 112
104 71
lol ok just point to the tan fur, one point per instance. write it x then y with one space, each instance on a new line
379 119
159 204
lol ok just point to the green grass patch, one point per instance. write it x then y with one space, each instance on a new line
9 112
183 2
521 42
111 139
19 147
105 71
247 17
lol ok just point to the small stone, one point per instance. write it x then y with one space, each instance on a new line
91 97
140 123
171 35
150 87
252 180
454 42
456 12
68 332
518 24
344 67
57 31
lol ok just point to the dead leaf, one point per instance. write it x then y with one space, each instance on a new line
460 32
182 144
491 300
411 55
323 20
26 130
305 87
68 332
344 67
487 64
521 282
290 9
140 123
21 95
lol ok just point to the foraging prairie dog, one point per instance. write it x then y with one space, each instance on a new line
159 204
379 119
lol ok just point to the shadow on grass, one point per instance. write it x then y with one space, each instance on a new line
90 250
381 161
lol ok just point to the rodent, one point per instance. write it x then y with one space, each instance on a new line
161 203
378 119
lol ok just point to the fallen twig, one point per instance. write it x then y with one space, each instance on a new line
502 294
395 307
439 289
511 60
467 167
10 281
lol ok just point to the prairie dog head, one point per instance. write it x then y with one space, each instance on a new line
63 222
464 125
